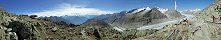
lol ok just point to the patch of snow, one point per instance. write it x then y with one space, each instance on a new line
119 29
139 9
147 8
162 10
122 28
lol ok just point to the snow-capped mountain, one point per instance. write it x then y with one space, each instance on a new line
191 11
140 9
162 10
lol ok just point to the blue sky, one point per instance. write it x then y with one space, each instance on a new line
107 6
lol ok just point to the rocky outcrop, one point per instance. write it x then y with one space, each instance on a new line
23 31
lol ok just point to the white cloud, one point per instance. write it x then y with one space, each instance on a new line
69 9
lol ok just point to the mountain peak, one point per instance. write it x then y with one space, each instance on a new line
154 13
172 13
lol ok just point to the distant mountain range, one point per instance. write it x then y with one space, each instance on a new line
137 17
69 19
124 17
192 12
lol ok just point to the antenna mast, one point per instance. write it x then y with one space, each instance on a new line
175 5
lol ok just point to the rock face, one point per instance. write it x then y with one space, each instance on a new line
22 30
